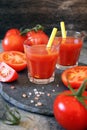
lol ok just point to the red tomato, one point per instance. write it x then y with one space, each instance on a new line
15 59
69 112
13 41
37 37
7 74
75 76
12 31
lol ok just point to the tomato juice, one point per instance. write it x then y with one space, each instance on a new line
41 61
69 51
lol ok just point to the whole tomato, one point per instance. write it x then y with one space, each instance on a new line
70 109
36 35
13 41
12 31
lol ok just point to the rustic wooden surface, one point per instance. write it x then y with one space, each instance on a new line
27 13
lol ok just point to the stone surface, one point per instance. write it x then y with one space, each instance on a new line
37 96
27 13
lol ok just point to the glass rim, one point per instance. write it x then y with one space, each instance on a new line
53 45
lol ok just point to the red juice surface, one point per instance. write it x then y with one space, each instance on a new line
41 62
69 51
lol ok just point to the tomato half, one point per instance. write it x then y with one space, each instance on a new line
69 112
15 59
75 76
7 74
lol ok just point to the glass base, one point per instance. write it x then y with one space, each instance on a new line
41 81
61 67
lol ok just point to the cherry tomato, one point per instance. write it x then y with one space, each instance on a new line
13 41
37 37
15 59
75 76
7 74
69 112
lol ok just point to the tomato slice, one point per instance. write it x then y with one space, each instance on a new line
7 74
75 76
15 59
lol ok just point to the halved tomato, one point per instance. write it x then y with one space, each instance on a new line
75 76
15 59
7 74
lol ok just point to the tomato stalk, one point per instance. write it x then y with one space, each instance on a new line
79 93
36 29
12 116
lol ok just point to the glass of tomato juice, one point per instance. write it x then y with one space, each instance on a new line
41 62
69 50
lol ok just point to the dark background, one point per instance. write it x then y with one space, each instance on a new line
49 13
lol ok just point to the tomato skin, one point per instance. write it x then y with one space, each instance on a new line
15 59
38 37
13 41
12 31
69 112
7 74
75 75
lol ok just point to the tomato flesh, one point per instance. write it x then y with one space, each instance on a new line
15 59
75 76
7 74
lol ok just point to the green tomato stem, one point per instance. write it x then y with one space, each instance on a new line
79 92
71 89
12 116
36 28
81 89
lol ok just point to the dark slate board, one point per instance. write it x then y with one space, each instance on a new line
46 93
